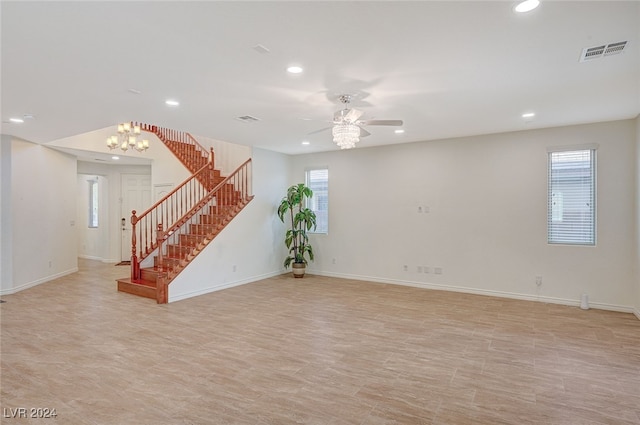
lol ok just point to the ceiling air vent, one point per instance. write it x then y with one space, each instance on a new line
590 53
247 119
260 48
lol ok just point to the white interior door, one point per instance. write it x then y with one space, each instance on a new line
136 195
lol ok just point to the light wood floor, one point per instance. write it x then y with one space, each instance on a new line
312 351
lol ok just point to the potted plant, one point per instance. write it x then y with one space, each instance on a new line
302 219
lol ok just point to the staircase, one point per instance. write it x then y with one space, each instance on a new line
170 234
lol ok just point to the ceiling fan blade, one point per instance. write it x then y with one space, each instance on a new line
363 132
381 122
319 131
353 115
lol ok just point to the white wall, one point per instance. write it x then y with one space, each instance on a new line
252 242
166 169
486 225
227 156
637 223
43 210
6 220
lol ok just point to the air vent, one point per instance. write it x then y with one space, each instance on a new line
615 48
590 53
260 49
247 119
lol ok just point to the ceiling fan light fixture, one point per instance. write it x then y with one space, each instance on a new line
346 135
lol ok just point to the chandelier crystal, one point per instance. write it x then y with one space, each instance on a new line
346 135
127 138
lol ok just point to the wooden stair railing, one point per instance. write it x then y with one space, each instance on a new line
187 149
179 243
167 211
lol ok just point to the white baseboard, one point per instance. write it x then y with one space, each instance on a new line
103 260
37 282
487 292
219 287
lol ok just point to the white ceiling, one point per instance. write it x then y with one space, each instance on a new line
447 68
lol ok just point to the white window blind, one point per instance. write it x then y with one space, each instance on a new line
318 181
571 197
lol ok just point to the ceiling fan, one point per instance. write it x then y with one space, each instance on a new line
347 125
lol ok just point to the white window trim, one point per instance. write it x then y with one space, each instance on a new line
578 147
306 171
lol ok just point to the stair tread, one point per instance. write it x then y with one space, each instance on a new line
155 269
137 287
140 282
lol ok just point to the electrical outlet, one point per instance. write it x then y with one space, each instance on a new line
234 268
426 269
437 270
405 268
538 280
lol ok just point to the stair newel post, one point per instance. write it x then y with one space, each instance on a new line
135 267
160 239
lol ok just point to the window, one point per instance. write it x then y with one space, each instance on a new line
93 203
571 197
318 181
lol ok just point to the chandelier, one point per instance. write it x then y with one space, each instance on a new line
346 135
127 138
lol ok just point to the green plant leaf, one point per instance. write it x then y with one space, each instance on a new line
302 219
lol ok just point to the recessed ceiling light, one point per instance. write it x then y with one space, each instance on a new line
16 120
399 131
115 158
294 69
527 6
528 115
306 142
172 102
